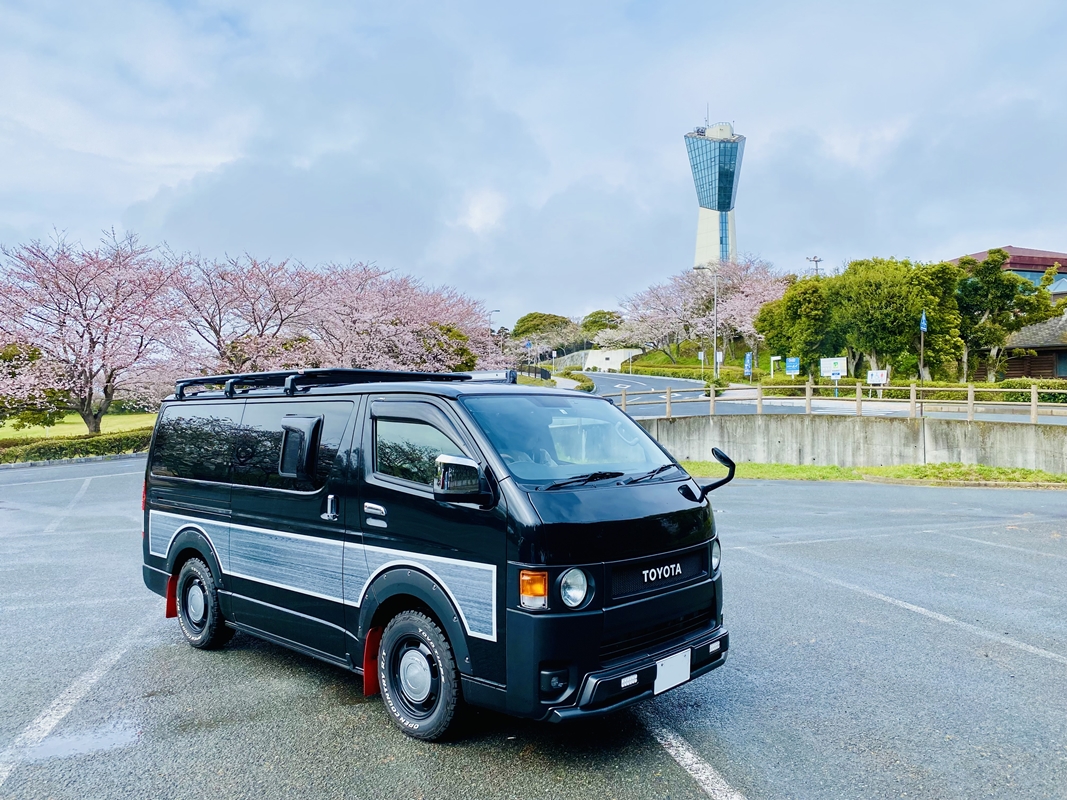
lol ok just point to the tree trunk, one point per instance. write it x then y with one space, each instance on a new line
966 353
991 364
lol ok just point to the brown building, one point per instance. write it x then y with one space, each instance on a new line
1032 264
1049 340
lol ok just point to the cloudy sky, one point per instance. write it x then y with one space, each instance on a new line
531 154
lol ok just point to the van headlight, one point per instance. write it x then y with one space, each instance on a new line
573 587
716 555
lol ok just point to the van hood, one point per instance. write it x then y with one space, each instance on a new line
610 523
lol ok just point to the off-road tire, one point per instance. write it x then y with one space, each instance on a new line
432 718
203 628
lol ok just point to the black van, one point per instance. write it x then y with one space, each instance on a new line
532 551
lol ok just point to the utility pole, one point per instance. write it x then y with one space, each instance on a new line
815 260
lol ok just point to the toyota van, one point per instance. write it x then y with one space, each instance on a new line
450 539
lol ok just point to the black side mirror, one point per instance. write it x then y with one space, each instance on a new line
725 460
459 480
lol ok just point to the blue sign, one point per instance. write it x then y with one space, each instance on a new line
528 344
792 365
748 363
922 322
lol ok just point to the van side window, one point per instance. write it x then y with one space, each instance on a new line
196 441
258 450
408 449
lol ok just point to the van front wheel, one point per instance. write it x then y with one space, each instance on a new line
198 607
417 675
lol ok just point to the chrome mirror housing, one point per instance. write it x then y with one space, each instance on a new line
458 480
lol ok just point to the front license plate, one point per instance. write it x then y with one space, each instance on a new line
672 671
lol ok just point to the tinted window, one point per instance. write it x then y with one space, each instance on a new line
409 449
258 449
1061 366
196 441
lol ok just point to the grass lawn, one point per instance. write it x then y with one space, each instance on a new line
928 472
526 380
72 425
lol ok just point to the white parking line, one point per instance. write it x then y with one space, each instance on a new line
36 732
1005 546
709 779
70 507
925 612
79 478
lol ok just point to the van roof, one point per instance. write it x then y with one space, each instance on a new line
320 382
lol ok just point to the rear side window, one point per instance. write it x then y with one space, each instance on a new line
196 441
258 450
408 449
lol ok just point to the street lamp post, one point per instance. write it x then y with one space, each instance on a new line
713 267
494 311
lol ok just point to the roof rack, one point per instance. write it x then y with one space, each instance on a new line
293 381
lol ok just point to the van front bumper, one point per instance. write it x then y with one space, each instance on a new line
603 692
593 651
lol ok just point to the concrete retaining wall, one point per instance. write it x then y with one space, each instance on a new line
862 441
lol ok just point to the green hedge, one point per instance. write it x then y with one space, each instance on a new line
106 444
585 383
24 440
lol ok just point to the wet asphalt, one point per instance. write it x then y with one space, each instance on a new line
886 641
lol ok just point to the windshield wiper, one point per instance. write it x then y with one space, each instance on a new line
583 479
650 474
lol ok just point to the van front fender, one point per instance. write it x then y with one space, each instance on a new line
388 592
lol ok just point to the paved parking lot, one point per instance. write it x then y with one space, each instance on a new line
886 641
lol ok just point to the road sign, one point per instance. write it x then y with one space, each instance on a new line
553 354
748 364
700 355
828 366
922 322
835 375
528 344
792 366
877 377
718 356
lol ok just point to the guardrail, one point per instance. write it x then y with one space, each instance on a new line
915 400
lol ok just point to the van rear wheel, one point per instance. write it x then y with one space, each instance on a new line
418 676
198 607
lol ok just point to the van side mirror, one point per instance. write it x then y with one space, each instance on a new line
459 480
725 460
298 447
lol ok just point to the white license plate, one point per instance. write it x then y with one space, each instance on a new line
672 671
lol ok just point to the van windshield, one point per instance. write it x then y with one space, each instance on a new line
551 438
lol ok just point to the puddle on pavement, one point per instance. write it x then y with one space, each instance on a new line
108 737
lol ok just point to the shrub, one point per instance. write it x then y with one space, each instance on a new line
74 447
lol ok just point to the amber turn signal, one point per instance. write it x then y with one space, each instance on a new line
533 588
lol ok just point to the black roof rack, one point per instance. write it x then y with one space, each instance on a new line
293 380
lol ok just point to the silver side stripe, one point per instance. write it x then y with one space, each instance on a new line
330 569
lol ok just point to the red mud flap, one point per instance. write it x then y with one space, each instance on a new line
370 662
172 596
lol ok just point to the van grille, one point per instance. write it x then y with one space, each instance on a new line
652 574
650 638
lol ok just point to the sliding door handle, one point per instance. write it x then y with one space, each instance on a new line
331 508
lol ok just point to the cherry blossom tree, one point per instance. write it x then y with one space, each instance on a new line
683 307
99 319
372 319
247 314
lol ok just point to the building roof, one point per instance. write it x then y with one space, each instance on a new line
1050 333
1025 258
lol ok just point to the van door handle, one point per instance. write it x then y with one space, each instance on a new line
374 508
331 508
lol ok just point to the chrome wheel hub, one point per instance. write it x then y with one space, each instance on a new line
195 603
415 675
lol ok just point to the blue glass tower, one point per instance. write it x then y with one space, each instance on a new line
715 156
